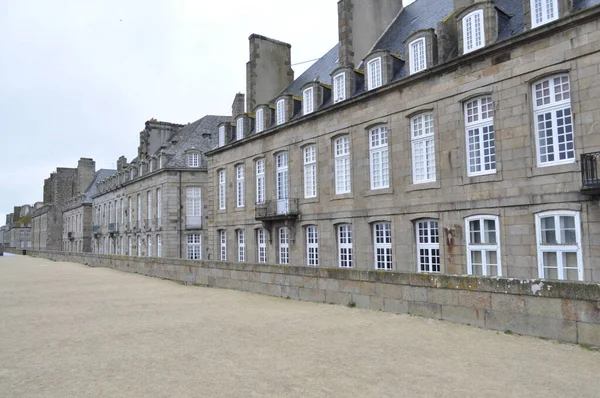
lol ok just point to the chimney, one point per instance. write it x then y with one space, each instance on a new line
237 108
86 170
361 24
121 163
269 70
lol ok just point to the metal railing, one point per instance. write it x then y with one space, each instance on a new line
590 165
96 228
277 209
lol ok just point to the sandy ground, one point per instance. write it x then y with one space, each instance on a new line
71 331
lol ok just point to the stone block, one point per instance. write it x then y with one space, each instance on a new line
425 309
361 300
377 303
367 288
558 329
291 292
329 285
340 298
310 282
500 320
544 307
477 300
413 293
395 306
267 277
584 311
508 303
588 333
442 296
464 315
311 295
349 286
386 290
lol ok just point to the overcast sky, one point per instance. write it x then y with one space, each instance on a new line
79 78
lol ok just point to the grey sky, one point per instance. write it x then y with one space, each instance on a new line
80 78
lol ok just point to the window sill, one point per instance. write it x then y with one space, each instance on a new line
382 191
343 196
478 179
222 211
308 200
553 169
423 186
239 209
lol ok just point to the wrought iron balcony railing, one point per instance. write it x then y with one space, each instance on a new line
279 209
590 172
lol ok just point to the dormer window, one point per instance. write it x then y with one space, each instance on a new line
543 12
132 176
280 112
222 136
192 160
418 60
141 169
339 87
161 162
374 73
307 100
260 120
473 34
239 132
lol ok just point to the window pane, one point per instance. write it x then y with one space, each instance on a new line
490 231
475 228
548 231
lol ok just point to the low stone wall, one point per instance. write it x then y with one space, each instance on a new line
565 311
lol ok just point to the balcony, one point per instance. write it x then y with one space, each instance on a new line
590 176
112 227
96 229
274 210
70 235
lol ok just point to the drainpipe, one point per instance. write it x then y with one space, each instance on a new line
179 212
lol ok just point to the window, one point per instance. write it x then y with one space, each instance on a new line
221 136
139 210
194 247
149 246
284 245
149 202
282 189
130 252
342 165
345 256
158 208
543 11
310 171
239 131
223 245
374 73
553 121
260 120
192 160
380 168
260 181
239 170
194 200
139 246
418 60
280 112
428 246
122 213
483 246
158 246
481 147
130 211
261 240
241 240
222 190
307 101
312 246
382 237
473 34
339 87
423 148
559 245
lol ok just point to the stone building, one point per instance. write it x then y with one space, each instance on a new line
60 187
17 231
154 206
443 137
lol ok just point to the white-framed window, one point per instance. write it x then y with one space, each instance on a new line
282 182
158 207
423 148
473 32
260 120
239 131
241 243
380 166
483 245
130 244
312 246
139 210
341 147
149 246
222 190
221 136
382 239
194 247
374 73
260 181
139 246
122 213
158 246
310 171
428 246
149 205
192 160
280 111
240 185
559 245
307 100
284 245
223 245
553 121
130 212
480 136
339 87
418 58
261 242
161 161
194 202
122 245
345 240
543 11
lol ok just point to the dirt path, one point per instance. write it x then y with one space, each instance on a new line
71 331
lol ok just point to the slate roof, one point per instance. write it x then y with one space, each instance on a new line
190 136
93 188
